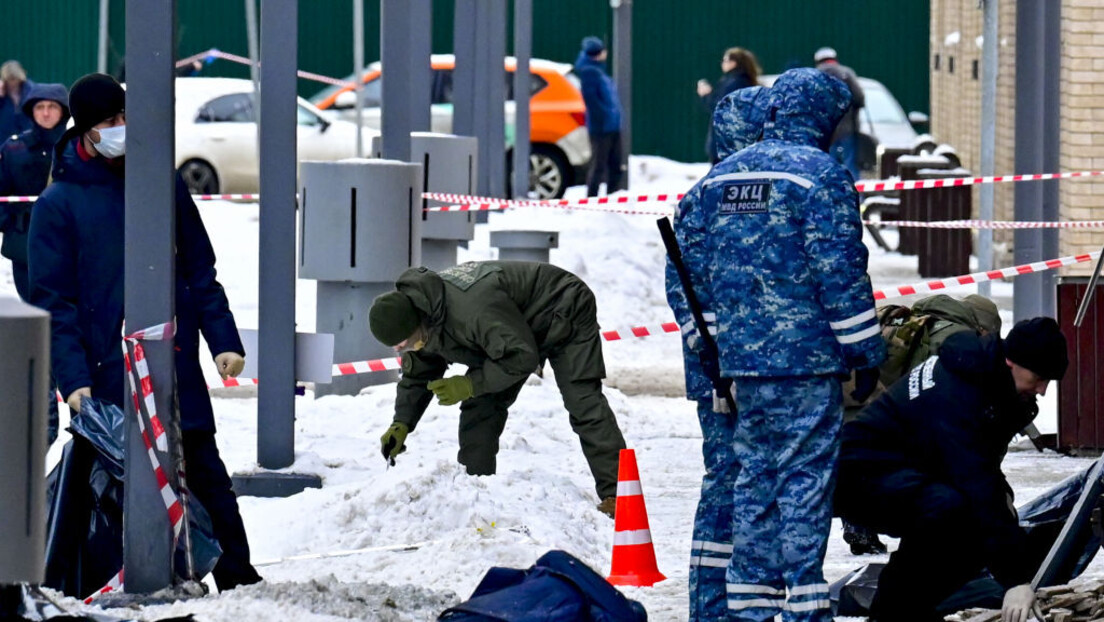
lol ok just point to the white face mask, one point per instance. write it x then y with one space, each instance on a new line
112 141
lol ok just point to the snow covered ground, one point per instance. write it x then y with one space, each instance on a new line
457 525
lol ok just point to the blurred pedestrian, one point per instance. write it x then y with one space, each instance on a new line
502 319
13 121
24 171
845 140
774 247
603 117
77 251
740 70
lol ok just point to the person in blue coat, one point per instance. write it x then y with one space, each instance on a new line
774 247
24 171
77 251
738 120
603 117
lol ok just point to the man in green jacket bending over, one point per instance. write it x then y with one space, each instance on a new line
502 319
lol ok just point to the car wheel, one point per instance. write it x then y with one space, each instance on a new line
549 172
199 177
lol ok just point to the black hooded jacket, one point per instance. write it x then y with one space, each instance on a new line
951 419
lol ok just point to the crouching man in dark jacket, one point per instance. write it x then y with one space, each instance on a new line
502 319
922 463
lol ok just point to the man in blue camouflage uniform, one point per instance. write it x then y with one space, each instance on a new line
737 122
773 241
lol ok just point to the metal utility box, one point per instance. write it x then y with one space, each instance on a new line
359 220
24 374
1081 392
525 245
449 164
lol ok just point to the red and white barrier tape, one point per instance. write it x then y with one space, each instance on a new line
114 585
950 182
989 224
466 203
138 376
978 277
195 197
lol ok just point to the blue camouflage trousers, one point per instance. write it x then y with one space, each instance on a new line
712 546
784 448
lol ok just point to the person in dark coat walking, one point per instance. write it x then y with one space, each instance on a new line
741 70
24 171
603 117
77 251
922 463
14 87
502 319
845 140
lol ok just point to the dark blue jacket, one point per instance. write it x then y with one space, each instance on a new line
25 169
13 120
603 108
731 81
76 269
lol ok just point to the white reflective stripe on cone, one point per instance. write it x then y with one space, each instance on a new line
629 489
640 536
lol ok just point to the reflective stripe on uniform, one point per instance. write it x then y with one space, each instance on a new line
716 547
807 605
711 562
797 179
772 603
859 336
854 320
815 588
753 588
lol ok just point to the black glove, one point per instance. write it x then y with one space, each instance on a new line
866 380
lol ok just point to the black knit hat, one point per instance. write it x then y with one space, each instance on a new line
94 98
392 318
1038 345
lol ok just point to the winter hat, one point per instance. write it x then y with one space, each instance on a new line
593 46
47 92
392 318
824 53
94 98
1038 345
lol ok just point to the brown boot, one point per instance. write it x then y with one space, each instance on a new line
608 506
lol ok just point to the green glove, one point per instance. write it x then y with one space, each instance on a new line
391 443
451 390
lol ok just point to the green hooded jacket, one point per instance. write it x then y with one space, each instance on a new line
500 318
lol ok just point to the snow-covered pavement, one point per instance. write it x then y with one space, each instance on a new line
542 497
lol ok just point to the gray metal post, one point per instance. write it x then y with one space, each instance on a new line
479 86
622 77
523 49
990 66
405 44
251 44
149 275
276 303
1030 129
1051 85
358 72
24 370
101 43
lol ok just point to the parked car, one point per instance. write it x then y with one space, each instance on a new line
883 118
216 135
558 143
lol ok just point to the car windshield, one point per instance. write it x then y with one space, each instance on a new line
882 107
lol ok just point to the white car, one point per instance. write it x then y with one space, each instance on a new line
216 135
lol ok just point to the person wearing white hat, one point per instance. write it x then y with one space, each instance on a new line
845 140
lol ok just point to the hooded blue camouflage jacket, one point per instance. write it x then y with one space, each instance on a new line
738 120
773 240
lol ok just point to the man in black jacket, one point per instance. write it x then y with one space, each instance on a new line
922 463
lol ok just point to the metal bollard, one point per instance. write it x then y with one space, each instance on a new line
24 373
360 227
525 245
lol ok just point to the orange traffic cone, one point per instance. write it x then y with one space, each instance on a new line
634 560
